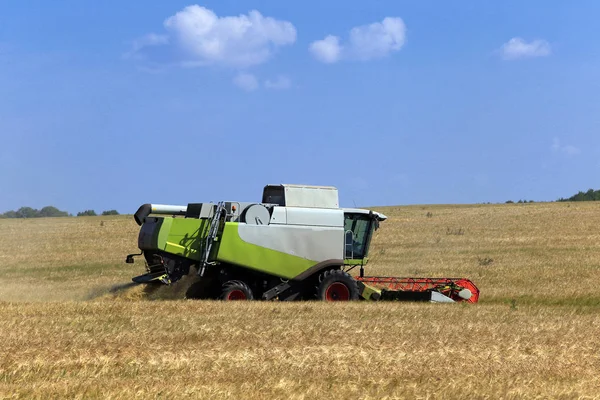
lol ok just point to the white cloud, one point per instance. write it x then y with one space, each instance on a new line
203 38
327 50
518 48
378 39
245 81
569 150
365 42
279 83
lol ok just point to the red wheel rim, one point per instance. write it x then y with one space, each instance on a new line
236 295
337 292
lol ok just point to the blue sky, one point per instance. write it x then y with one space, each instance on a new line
113 104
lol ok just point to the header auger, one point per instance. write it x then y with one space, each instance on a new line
296 244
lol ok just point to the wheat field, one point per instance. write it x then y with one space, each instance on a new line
73 327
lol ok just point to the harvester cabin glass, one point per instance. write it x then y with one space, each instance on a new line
358 229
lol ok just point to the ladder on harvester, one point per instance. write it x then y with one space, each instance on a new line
210 238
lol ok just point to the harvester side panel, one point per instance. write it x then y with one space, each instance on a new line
312 243
280 250
178 236
314 217
301 196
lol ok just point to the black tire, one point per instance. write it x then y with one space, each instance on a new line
236 290
337 285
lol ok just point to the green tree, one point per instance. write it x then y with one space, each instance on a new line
590 195
110 212
27 212
10 214
87 213
50 211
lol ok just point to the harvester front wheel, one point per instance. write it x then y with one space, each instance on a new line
337 285
236 290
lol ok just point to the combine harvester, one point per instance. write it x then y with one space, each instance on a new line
297 244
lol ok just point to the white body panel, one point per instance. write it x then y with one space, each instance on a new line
437 297
312 243
311 196
315 217
279 216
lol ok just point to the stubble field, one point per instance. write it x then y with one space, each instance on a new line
71 326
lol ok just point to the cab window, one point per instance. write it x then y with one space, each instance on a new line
359 226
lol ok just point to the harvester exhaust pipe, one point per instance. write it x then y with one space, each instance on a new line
163 209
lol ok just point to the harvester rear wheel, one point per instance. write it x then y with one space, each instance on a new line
337 285
236 290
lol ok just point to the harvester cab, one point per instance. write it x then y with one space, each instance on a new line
297 243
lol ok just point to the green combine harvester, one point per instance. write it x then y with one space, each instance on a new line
296 244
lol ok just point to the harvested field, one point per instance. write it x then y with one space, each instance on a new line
73 327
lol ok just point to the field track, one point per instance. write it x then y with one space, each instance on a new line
73 327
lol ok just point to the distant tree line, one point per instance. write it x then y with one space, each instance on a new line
590 195
92 213
28 212
50 211
519 202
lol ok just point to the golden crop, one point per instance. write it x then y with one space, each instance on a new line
534 333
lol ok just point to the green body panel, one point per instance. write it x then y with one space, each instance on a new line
357 261
232 249
163 232
368 292
180 236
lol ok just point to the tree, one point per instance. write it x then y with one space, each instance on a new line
27 212
590 195
50 211
87 213
110 212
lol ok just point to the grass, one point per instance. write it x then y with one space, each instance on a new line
55 259
533 334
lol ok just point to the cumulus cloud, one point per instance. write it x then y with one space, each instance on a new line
517 48
279 83
364 42
327 50
245 81
569 150
378 39
201 37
